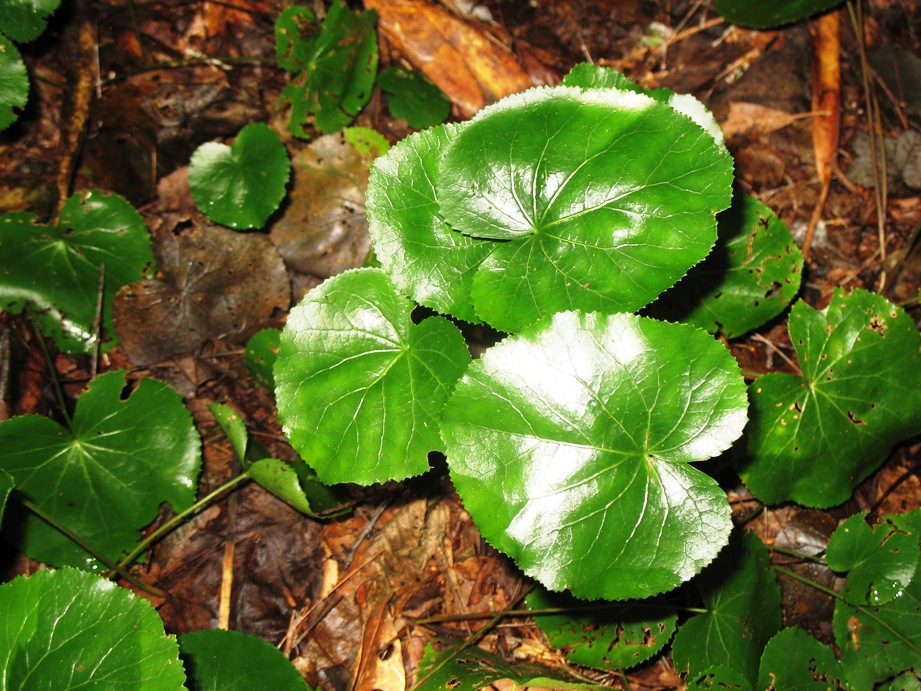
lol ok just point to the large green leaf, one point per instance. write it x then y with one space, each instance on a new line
106 477
795 661
359 386
68 630
6 486
765 15
743 612
14 82
570 447
814 437
334 65
603 199
242 184
232 661
56 269
24 20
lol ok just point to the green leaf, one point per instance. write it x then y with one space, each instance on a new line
242 184
414 98
56 269
233 426
69 629
604 635
424 257
471 669
360 387
125 454
294 483
334 66
570 447
751 275
232 661
24 20
880 562
6 486
14 82
814 438
718 678
795 661
260 354
603 199
766 15
743 603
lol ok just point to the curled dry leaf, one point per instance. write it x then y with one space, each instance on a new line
212 282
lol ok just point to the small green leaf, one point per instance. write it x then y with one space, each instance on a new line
359 386
767 15
6 486
294 483
260 354
14 82
795 661
69 629
604 635
242 184
880 562
571 444
106 477
25 20
414 97
744 613
56 269
367 142
751 275
813 438
232 661
334 65
233 426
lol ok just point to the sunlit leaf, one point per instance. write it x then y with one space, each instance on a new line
814 437
795 661
14 82
570 447
70 629
414 98
105 478
360 387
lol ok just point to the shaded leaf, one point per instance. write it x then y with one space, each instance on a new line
260 354
814 437
233 426
294 483
751 275
795 661
758 15
743 603
6 486
125 454
215 283
570 447
359 386
242 184
232 661
25 20
56 269
14 82
414 98
604 635
69 629
718 678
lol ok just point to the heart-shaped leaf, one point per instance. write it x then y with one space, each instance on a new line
796 661
570 447
242 184
56 269
751 275
69 629
14 82
25 20
106 477
414 98
234 661
359 386
743 612
814 437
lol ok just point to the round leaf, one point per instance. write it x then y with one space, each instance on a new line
242 184
57 268
795 661
570 444
414 98
359 386
104 479
814 437
232 661
605 198
69 629
14 82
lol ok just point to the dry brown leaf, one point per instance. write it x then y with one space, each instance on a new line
379 664
826 92
751 118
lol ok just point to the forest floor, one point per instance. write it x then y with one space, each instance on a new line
406 564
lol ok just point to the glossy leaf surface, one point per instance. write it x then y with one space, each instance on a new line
604 635
765 15
25 20
220 660
751 275
242 184
14 82
414 98
106 478
56 269
604 199
743 603
570 447
814 437
795 661
360 387
70 629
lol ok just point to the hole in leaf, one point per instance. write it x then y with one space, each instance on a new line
854 419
